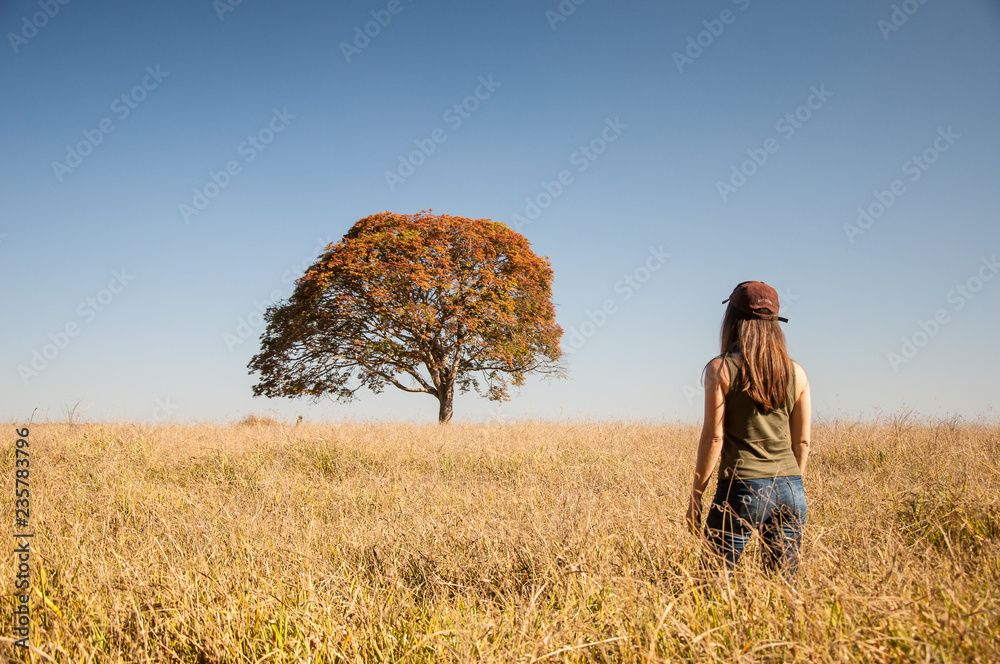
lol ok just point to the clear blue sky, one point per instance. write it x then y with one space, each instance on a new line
116 114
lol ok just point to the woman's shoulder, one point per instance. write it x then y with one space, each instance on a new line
718 372
801 379
714 366
720 363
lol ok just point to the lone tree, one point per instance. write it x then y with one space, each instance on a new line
422 302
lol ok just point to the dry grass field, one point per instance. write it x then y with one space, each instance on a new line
524 542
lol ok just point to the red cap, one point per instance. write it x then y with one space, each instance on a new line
756 299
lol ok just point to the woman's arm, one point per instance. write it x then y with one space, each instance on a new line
800 421
710 443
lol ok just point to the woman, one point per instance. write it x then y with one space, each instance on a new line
757 418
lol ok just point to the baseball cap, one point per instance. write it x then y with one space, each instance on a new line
756 299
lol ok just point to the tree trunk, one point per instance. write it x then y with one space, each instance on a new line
445 401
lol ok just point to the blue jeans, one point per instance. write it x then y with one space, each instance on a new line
775 506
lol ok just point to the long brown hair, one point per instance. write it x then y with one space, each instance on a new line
767 367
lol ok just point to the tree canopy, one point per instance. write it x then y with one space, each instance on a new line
425 303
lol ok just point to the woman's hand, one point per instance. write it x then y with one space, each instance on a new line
711 440
694 516
800 421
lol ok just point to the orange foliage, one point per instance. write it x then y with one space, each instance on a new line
422 302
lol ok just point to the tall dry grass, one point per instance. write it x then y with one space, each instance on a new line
498 543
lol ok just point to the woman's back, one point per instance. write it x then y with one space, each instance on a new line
756 444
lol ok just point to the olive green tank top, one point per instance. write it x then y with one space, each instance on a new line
755 445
